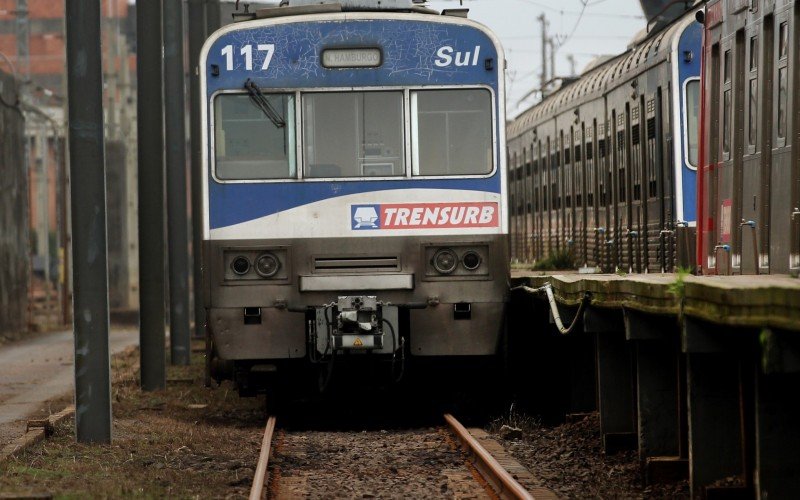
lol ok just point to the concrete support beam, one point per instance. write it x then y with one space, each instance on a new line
777 435
580 363
715 428
615 380
657 381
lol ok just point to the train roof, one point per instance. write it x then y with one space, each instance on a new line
300 7
602 77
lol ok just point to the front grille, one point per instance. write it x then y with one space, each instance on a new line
359 264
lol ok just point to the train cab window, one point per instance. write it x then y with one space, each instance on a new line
783 41
353 134
782 97
692 99
254 140
783 78
451 132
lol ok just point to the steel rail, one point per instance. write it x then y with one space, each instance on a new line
505 485
259 481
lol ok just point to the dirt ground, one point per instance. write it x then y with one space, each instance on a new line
569 460
186 441
192 442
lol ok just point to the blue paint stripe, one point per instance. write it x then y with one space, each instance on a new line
237 203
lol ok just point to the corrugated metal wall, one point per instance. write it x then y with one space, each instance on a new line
14 232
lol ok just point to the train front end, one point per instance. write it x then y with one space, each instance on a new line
354 191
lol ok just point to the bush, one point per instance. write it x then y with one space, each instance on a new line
560 260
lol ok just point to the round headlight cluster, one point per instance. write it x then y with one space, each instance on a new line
445 261
240 265
471 260
267 265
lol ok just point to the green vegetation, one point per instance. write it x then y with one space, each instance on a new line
678 287
560 260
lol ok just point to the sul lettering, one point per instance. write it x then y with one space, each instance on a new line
446 55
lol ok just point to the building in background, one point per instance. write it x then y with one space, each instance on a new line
32 39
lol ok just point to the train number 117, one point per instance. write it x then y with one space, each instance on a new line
247 52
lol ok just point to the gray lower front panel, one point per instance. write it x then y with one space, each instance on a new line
280 335
435 332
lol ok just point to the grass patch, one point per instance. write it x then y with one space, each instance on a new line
516 419
560 260
678 287
160 446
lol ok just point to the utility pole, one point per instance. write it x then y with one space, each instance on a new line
23 40
178 223
552 42
197 36
89 246
543 78
572 66
150 112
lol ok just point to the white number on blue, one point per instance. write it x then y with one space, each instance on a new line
247 52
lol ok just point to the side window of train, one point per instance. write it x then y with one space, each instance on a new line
727 103
783 80
353 134
254 141
451 132
752 108
691 117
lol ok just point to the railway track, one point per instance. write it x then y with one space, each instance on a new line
484 471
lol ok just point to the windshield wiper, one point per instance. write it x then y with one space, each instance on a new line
262 103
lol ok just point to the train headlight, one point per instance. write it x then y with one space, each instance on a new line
267 265
471 260
445 261
240 265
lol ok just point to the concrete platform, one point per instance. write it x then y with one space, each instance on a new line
699 374
747 301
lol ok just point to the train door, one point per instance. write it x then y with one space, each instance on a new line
525 175
590 226
529 204
569 180
565 205
794 140
555 198
536 231
764 128
638 212
654 237
751 163
580 208
783 248
548 206
604 231
621 183
738 151
725 165
512 202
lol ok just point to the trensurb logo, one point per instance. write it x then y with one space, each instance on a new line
424 215
365 216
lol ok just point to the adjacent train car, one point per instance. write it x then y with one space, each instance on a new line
355 191
604 169
750 176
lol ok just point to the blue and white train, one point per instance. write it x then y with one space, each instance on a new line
354 188
604 170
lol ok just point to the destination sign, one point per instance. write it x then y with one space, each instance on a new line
351 58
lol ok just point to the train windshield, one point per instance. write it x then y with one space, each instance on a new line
254 138
451 132
353 134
